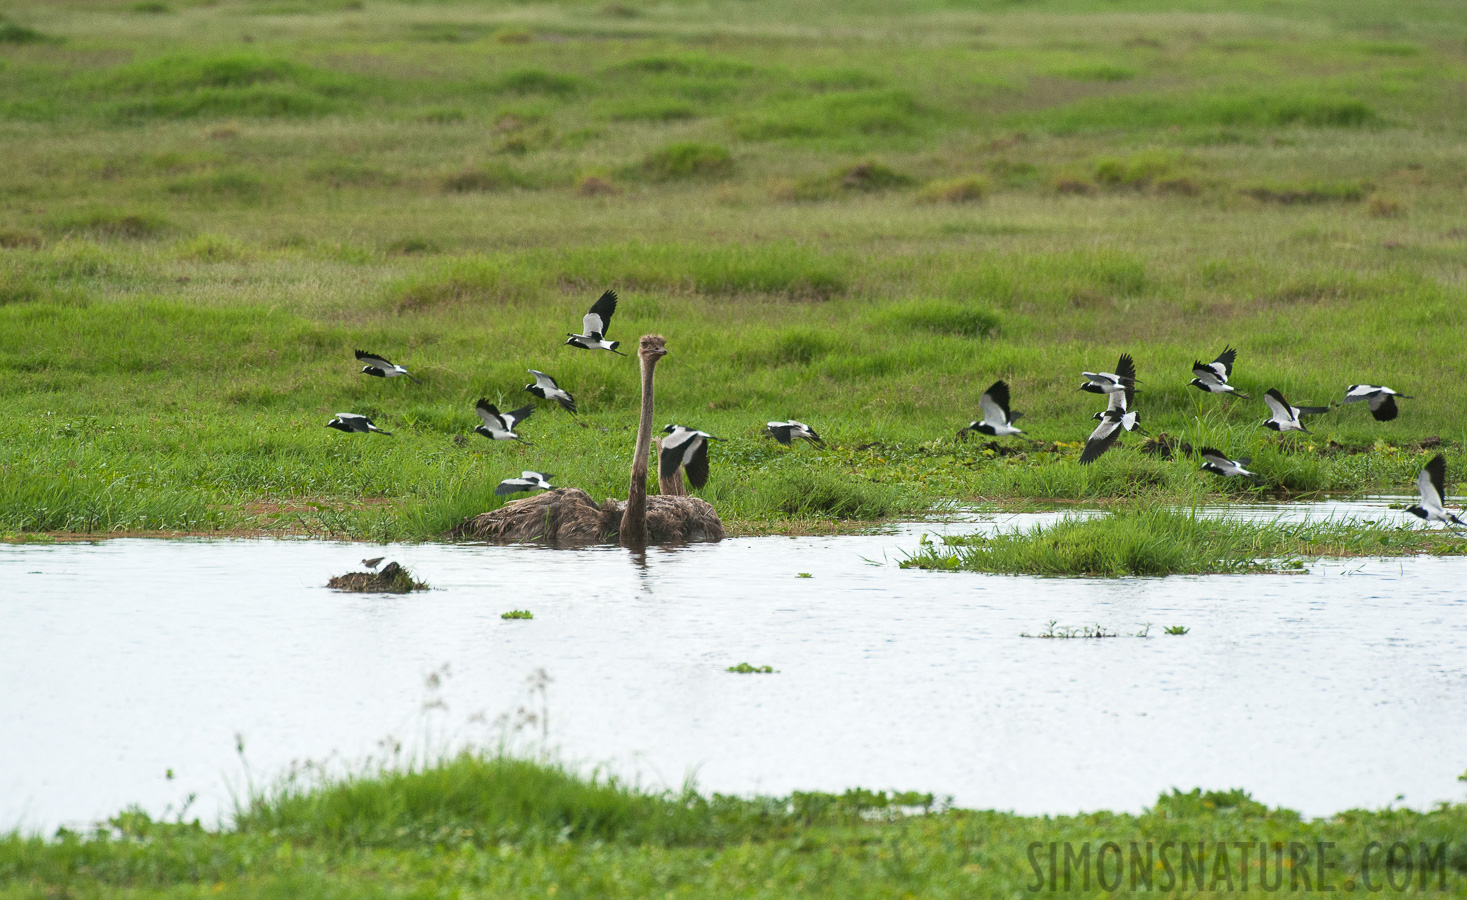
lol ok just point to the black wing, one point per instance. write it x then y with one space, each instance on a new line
1311 410
1212 455
1383 407
998 392
1100 440
491 416
669 459
602 309
514 417
512 486
375 359
696 464
1226 358
1126 368
1436 468
781 433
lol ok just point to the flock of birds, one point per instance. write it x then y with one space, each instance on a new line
683 448
687 448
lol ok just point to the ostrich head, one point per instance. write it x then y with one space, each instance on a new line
652 348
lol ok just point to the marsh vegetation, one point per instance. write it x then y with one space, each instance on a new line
855 215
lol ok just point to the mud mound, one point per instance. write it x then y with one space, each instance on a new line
568 517
392 579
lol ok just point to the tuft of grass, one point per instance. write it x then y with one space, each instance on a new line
869 177
1308 192
687 160
517 614
1159 541
1176 629
822 494
1204 109
746 669
15 33
487 178
938 316
110 223
968 189
868 113
539 81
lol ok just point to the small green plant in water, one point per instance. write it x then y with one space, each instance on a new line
517 614
806 575
1177 629
746 669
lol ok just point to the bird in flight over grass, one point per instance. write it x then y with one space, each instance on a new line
595 324
354 423
528 481
688 448
997 421
499 426
1431 483
1104 435
1286 417
787 432
1110 382
381 366
1382 399
1215 462
1119 406
546 389
1213 377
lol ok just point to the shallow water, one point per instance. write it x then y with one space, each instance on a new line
121 660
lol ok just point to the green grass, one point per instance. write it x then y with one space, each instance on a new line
852 215
1152 541
493 826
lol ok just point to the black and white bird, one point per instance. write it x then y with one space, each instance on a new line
1432 485
528 481
1105 434
381 367
688 448
1382 399
1215 462
997 420
1110 382
1286 417
499 426
546 389
354 423
595 324
1118 405
787 432
1213 377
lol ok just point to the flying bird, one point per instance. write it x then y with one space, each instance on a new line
1215 462
1432 485
997 421
546 389
1110 382
354 423
1382 399
528 481
688 448
1213 377
1104 435
499 426
381 366
1118 405
786 432
595 323
1286 417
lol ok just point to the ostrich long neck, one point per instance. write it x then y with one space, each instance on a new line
634 517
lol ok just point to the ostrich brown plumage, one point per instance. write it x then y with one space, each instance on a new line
633 531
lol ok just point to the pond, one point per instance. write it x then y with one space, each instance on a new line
122 661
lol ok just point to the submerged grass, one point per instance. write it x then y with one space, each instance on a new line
505 827
1167 542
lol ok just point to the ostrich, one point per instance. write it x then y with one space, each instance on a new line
569 517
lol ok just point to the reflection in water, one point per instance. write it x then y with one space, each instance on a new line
122 660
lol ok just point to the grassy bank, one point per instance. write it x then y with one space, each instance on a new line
1153 541
476 826
858 216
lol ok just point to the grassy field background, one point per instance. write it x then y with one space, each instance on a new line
854 214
